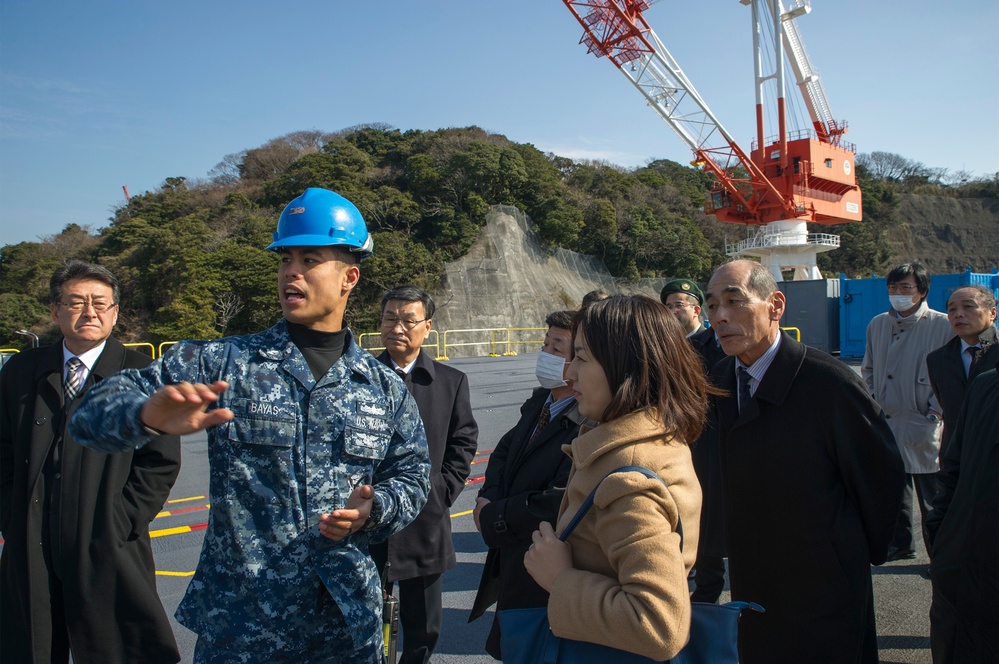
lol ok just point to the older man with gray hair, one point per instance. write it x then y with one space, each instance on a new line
971 311
812 480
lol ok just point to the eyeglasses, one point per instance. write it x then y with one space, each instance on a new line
389 322
901 288
76 306
678 305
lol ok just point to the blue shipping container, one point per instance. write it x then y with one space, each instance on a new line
860 300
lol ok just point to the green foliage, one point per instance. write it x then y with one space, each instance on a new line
22 312
190 256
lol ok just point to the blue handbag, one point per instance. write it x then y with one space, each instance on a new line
526 636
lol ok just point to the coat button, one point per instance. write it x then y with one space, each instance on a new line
40 421
890 376
58 475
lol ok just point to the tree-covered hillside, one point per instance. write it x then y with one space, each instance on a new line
191 255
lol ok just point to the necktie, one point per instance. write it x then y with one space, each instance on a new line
744 395
546 416
402 374
74 380
975 352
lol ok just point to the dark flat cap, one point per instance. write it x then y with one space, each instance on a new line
682 286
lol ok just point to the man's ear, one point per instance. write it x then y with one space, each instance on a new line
777 305
351 275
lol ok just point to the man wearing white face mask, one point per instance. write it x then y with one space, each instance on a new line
525 481
894 369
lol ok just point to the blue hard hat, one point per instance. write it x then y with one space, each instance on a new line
322 218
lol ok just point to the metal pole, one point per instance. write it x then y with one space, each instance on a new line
34 337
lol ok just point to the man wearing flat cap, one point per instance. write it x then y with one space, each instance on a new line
684 299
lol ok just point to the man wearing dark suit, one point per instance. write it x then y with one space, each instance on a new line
525 481
963 531
709 569
812 481
971 311
77 570
684 299
420 553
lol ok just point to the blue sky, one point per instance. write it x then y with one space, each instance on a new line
99 94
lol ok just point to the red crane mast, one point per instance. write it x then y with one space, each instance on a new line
786 180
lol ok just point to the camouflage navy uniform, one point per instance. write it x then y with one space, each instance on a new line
295 449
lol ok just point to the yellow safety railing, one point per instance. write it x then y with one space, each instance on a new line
795 331
142 344
4 352
527 342
499 338
500 342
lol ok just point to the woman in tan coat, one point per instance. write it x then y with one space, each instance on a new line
621 578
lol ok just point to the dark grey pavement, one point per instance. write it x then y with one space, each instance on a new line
499 386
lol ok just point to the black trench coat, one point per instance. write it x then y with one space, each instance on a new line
113 611
812 481
525 485
425 547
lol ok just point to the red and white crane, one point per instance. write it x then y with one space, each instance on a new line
788 179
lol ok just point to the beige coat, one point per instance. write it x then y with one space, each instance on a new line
628 585
894 369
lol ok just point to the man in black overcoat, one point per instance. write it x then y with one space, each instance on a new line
709 569
812 481
963 531
77 568
525 481
971 311
419 554
684 299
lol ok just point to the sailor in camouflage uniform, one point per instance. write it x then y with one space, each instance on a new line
316 450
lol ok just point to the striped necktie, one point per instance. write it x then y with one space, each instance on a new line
74 380
543 420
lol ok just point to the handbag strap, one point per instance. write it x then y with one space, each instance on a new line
588 503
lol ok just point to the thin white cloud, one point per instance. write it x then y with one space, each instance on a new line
43 84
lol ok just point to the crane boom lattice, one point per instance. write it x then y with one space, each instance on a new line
785 181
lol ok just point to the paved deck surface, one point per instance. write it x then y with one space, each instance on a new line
499 386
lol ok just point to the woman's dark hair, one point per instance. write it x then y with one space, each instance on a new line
648 362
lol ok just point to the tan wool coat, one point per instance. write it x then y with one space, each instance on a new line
628 585
894 369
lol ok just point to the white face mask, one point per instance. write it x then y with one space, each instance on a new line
549 370
901 302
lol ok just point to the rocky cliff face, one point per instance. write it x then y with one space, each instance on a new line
507 280
948 234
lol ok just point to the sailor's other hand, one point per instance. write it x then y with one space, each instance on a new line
349 520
